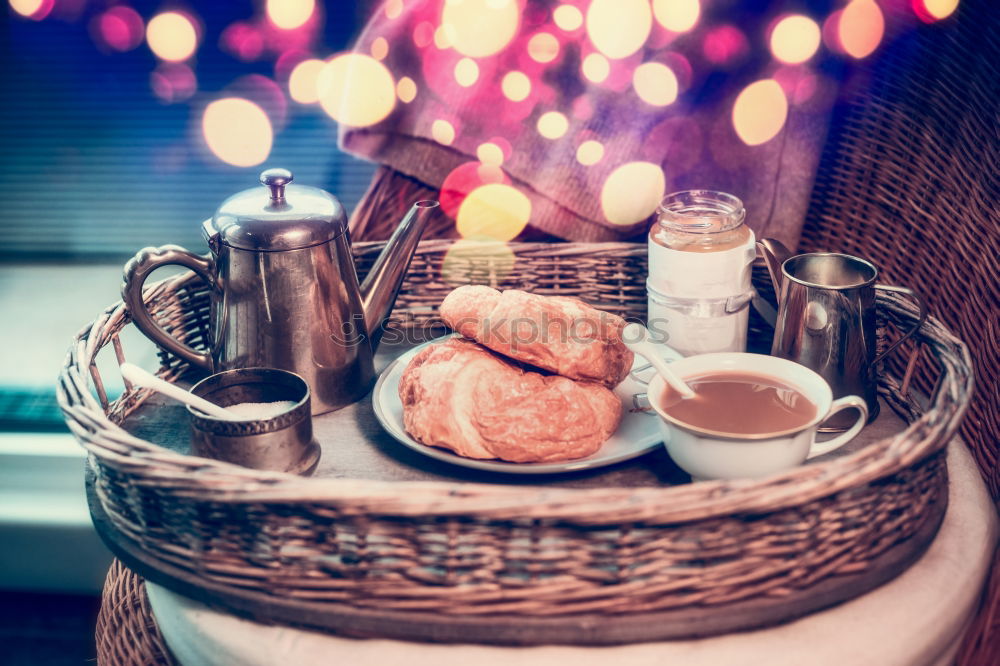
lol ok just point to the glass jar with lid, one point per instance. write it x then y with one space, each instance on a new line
700 221
700 254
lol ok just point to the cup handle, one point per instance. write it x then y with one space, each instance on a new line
840 404
137 270
921 316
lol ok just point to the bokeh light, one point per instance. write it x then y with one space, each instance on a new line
466 72
655 84
302 83
619 28
552 125
287 61
760 112
437 71
443 36
934 10
423 34
567 17
359 91
860 28
465 178
490 153
265 93
35 10
795 39
480 28
800 85
172 36
380 48
243 40
632 192
26 7
120 28
516 86
356 90
681 67
394 8
477 261
406 89
504 146
543 47
237 131
596 67
495 211
590 152
724 44
677 15
290 14
173 82
443 132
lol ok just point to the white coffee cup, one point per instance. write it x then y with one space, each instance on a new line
707 454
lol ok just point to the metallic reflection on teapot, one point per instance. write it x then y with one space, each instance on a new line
284 288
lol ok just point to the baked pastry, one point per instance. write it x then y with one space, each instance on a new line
461 396
560 334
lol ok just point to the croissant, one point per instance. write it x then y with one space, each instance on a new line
560 334
460 396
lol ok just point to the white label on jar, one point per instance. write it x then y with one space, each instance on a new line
690 335
681 274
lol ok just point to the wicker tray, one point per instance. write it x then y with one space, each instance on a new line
530 564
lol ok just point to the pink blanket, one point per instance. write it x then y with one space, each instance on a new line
593 111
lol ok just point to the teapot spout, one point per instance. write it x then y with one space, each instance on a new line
379 289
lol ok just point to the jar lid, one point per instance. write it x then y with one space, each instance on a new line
278 216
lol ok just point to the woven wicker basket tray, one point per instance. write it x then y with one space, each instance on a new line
503 564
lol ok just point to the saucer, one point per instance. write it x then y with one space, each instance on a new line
637 433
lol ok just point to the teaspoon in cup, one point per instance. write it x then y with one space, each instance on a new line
636 338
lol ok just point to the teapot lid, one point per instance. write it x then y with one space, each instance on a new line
278 216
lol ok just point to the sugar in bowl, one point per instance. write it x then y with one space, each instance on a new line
273 430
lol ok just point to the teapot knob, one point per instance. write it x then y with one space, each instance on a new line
276 179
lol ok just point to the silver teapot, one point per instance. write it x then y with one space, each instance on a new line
284 289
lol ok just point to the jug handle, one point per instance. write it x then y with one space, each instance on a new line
135 273
775 253
921 317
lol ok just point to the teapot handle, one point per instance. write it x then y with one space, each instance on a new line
137 270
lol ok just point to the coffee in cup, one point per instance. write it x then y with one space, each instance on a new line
740 403
753 415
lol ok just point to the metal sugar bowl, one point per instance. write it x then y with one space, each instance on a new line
284 289
277 441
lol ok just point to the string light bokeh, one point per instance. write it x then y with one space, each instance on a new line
648 55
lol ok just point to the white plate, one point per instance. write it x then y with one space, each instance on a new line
637 433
